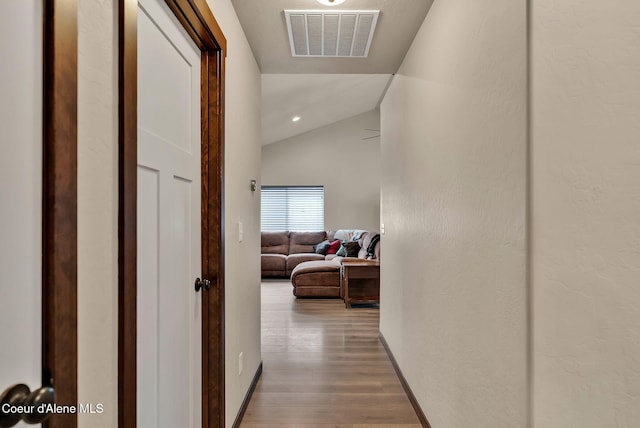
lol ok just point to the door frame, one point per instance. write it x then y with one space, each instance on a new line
199 22
59 305
60 206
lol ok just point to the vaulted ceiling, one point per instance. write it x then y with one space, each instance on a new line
324 90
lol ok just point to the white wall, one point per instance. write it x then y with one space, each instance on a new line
453 197
586 213
337 157
97 208
242 164
98 211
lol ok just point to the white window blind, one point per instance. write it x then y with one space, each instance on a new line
296 208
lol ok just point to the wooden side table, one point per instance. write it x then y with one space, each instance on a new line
360 282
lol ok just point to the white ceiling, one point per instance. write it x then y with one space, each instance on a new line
324 90
319 100
264 24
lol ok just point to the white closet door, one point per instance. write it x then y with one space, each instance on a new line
169 250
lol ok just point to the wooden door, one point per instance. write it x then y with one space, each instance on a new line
169 222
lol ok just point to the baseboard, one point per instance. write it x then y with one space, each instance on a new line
412 398
247 398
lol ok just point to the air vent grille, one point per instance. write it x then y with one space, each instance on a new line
331 33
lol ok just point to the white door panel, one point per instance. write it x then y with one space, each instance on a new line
20 193
147 316
167 112
169 253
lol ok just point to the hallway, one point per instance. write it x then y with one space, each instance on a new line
323 366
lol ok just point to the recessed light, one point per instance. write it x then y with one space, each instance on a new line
295 119
330 2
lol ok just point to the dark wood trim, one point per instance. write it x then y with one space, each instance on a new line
197 19
213 374
407 389
60 206
247 398
200 24
127 210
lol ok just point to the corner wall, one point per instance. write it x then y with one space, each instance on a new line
586 213
337 157
98 211
453 199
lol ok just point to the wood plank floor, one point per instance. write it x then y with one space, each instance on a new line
324 366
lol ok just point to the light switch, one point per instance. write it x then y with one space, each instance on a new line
240 232
382 228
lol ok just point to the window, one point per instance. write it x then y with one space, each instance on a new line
297 208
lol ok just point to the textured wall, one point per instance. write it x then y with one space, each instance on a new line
453 194
97 211
242 164
586 213
337 157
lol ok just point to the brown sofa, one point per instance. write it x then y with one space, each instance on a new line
292 254
283 251
322 278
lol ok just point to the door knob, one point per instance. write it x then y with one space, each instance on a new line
202 284
19 403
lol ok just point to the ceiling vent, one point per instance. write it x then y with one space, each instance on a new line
331 33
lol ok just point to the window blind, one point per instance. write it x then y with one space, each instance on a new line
295 208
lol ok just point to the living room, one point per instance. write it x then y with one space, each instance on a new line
323 186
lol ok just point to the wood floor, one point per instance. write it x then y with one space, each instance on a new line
323 367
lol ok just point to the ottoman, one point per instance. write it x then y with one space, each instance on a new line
318 278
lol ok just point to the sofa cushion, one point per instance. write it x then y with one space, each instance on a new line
275 242
303 242
317 280
294 260
273 262
316 266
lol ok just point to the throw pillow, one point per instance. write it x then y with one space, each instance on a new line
322 247
348 249
333 247
353 248
342 251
